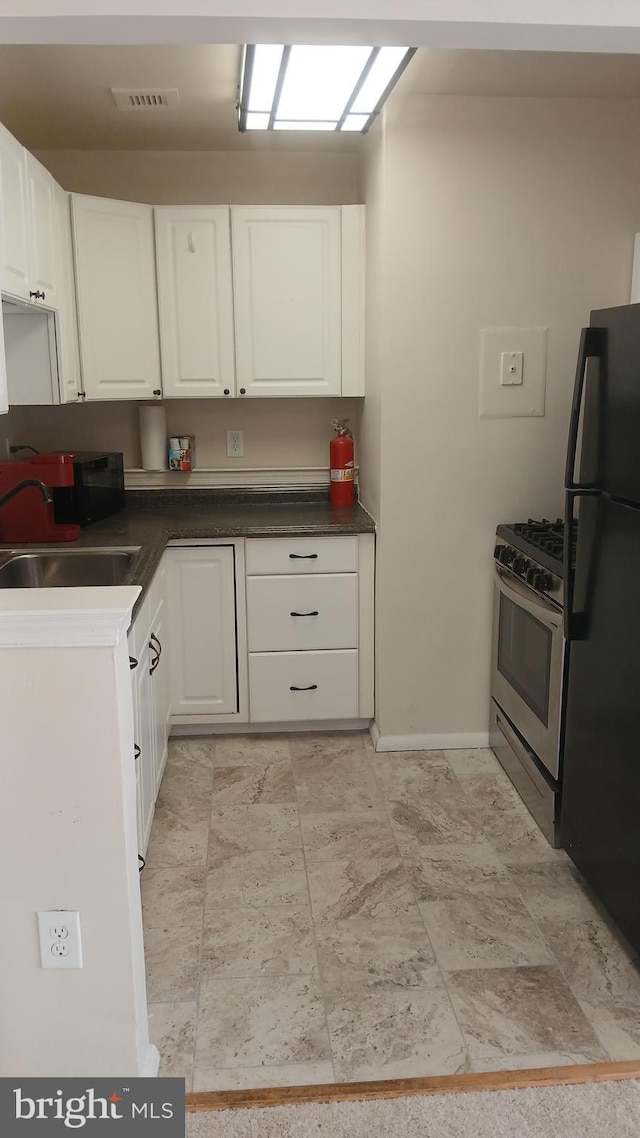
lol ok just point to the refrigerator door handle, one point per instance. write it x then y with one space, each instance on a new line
574 622
592 345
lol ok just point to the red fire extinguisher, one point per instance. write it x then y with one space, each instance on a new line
342 490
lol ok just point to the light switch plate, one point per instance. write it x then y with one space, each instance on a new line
498 400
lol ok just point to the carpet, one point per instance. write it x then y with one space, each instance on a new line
592 1110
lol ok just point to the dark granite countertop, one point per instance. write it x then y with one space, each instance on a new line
152 518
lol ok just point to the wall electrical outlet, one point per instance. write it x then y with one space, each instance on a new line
235 444
60 943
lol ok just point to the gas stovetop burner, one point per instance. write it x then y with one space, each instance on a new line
543 537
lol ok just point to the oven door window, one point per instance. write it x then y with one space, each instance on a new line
524 656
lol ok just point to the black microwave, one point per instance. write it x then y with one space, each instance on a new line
97 491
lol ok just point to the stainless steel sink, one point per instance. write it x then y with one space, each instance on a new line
46 569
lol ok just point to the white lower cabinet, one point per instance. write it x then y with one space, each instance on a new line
237 631
298 686
202 628
151 701
310 628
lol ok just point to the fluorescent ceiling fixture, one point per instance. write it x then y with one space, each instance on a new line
316 88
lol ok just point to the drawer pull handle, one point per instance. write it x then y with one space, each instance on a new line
311 687
314 613
303 556
137 751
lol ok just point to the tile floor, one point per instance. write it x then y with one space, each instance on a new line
315 912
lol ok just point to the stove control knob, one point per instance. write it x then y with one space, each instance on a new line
519 565
532 575
545 582
507 555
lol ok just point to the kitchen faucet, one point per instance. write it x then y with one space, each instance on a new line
44 490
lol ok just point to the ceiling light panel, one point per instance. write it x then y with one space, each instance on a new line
382 72
265 69
303 87
319 81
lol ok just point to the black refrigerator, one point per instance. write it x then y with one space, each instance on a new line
600 811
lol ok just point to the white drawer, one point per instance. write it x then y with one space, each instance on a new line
302 613
302 555
330 680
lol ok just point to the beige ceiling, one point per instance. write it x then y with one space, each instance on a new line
58 97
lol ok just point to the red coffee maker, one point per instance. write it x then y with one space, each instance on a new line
27 516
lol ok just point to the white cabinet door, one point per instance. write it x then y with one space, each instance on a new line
14 246
202 630
117 305
193 250
67 319
287 294
42 233
159 671
144 742
4 395
147 743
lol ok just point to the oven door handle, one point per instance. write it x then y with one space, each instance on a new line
519 594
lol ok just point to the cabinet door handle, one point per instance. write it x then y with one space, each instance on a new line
314 613
136 752
133 663
157 648
303 556
37 295
157 391
226 391
310 687
141 863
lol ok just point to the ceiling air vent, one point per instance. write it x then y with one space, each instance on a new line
130 99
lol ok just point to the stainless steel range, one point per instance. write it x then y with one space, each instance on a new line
528 662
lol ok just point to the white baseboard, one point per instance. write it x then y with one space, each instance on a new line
267 728
151 1064
428 742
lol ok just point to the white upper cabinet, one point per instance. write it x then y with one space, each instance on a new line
42 228
14 244
28 226
67 326
116 294
195 301
287 279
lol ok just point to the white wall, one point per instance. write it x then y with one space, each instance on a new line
277 432
373 189
497 211
196 177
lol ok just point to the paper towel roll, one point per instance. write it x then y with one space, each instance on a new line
153 436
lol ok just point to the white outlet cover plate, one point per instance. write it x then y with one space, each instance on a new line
504 401
236 451
60 927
